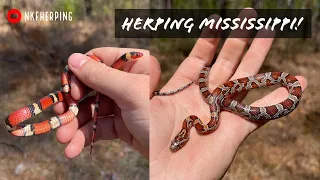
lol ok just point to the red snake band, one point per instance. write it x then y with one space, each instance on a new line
13 121
221 99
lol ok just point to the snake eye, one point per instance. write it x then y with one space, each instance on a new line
136 55
139 54
175 145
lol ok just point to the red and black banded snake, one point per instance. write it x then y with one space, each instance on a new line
13 121
220 99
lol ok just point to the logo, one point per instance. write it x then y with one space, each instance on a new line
14 16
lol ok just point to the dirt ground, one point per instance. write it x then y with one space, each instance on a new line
288 148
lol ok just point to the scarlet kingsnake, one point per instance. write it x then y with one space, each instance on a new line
220 99
12 122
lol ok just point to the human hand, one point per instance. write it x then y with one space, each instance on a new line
205 156
124 101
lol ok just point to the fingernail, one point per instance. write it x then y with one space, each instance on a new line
77 60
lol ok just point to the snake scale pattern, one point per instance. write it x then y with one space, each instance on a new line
13 122
221 99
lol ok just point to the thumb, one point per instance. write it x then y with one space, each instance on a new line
124 88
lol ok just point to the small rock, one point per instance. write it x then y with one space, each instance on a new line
20 169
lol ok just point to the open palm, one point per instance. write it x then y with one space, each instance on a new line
205 156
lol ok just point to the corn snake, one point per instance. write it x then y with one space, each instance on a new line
220 99
13 121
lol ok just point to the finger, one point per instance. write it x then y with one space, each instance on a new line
126 129
78 89
155 75
205 48
279 94
126 89
82 136
253 59
201 55
140 66
245 15
60 107
274 97
65 133
238 129
255 56
230 54
108 128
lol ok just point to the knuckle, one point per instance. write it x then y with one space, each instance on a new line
94 72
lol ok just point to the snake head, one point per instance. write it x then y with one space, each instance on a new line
7 124
135 55
179 141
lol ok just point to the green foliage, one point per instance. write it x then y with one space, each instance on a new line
107 11
74 6
181 4
209 4
270 4
245 3
299 4
108 7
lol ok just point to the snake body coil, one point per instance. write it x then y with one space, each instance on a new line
220 99
13 121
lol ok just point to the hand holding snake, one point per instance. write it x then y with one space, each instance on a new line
121 94
124 103
209 156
